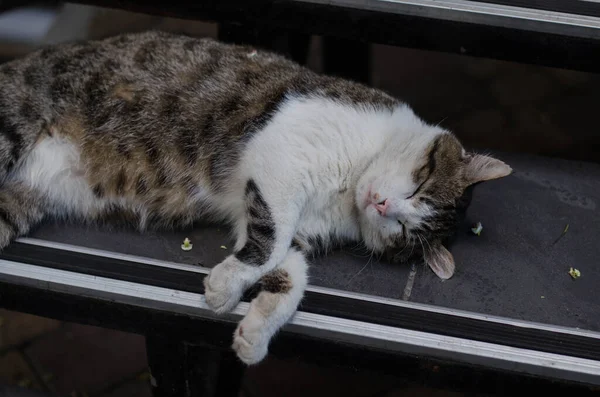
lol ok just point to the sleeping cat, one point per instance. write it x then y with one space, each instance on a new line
166 130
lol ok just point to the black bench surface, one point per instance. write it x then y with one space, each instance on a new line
516 268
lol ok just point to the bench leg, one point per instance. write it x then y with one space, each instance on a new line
183 370
346 58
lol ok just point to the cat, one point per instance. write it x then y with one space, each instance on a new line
166 130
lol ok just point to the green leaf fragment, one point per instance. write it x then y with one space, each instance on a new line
477 229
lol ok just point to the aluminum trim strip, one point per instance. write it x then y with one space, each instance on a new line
481 13
323 290
113 255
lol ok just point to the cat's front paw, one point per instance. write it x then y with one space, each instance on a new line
250 342
224 285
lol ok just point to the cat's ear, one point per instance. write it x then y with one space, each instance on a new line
482 168
440 260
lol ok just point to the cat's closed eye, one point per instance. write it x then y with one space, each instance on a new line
417 190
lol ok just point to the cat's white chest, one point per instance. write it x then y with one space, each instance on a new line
316 149
330 212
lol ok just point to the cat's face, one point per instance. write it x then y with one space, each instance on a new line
410 198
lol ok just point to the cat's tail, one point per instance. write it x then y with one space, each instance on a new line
17 137
20 209
23 116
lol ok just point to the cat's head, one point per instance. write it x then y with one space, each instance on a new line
411 197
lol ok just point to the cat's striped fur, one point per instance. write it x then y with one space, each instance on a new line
164 130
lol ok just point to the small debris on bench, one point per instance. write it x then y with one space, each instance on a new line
223 247
25 383
187 245
574 273
477 228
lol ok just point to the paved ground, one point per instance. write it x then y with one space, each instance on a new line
72 360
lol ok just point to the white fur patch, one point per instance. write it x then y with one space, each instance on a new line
317 157
53 168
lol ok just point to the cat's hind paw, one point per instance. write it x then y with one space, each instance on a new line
224 285
250 343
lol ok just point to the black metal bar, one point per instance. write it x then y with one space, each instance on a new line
319 303
105 267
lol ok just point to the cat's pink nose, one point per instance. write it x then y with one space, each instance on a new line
382 207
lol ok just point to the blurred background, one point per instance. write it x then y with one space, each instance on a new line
491 106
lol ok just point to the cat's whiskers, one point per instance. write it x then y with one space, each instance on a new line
421 241
427 241
363 268
412 245
441 121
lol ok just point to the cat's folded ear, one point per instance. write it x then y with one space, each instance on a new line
440 260
482 168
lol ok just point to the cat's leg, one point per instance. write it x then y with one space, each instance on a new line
281 291
270 227
21 208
